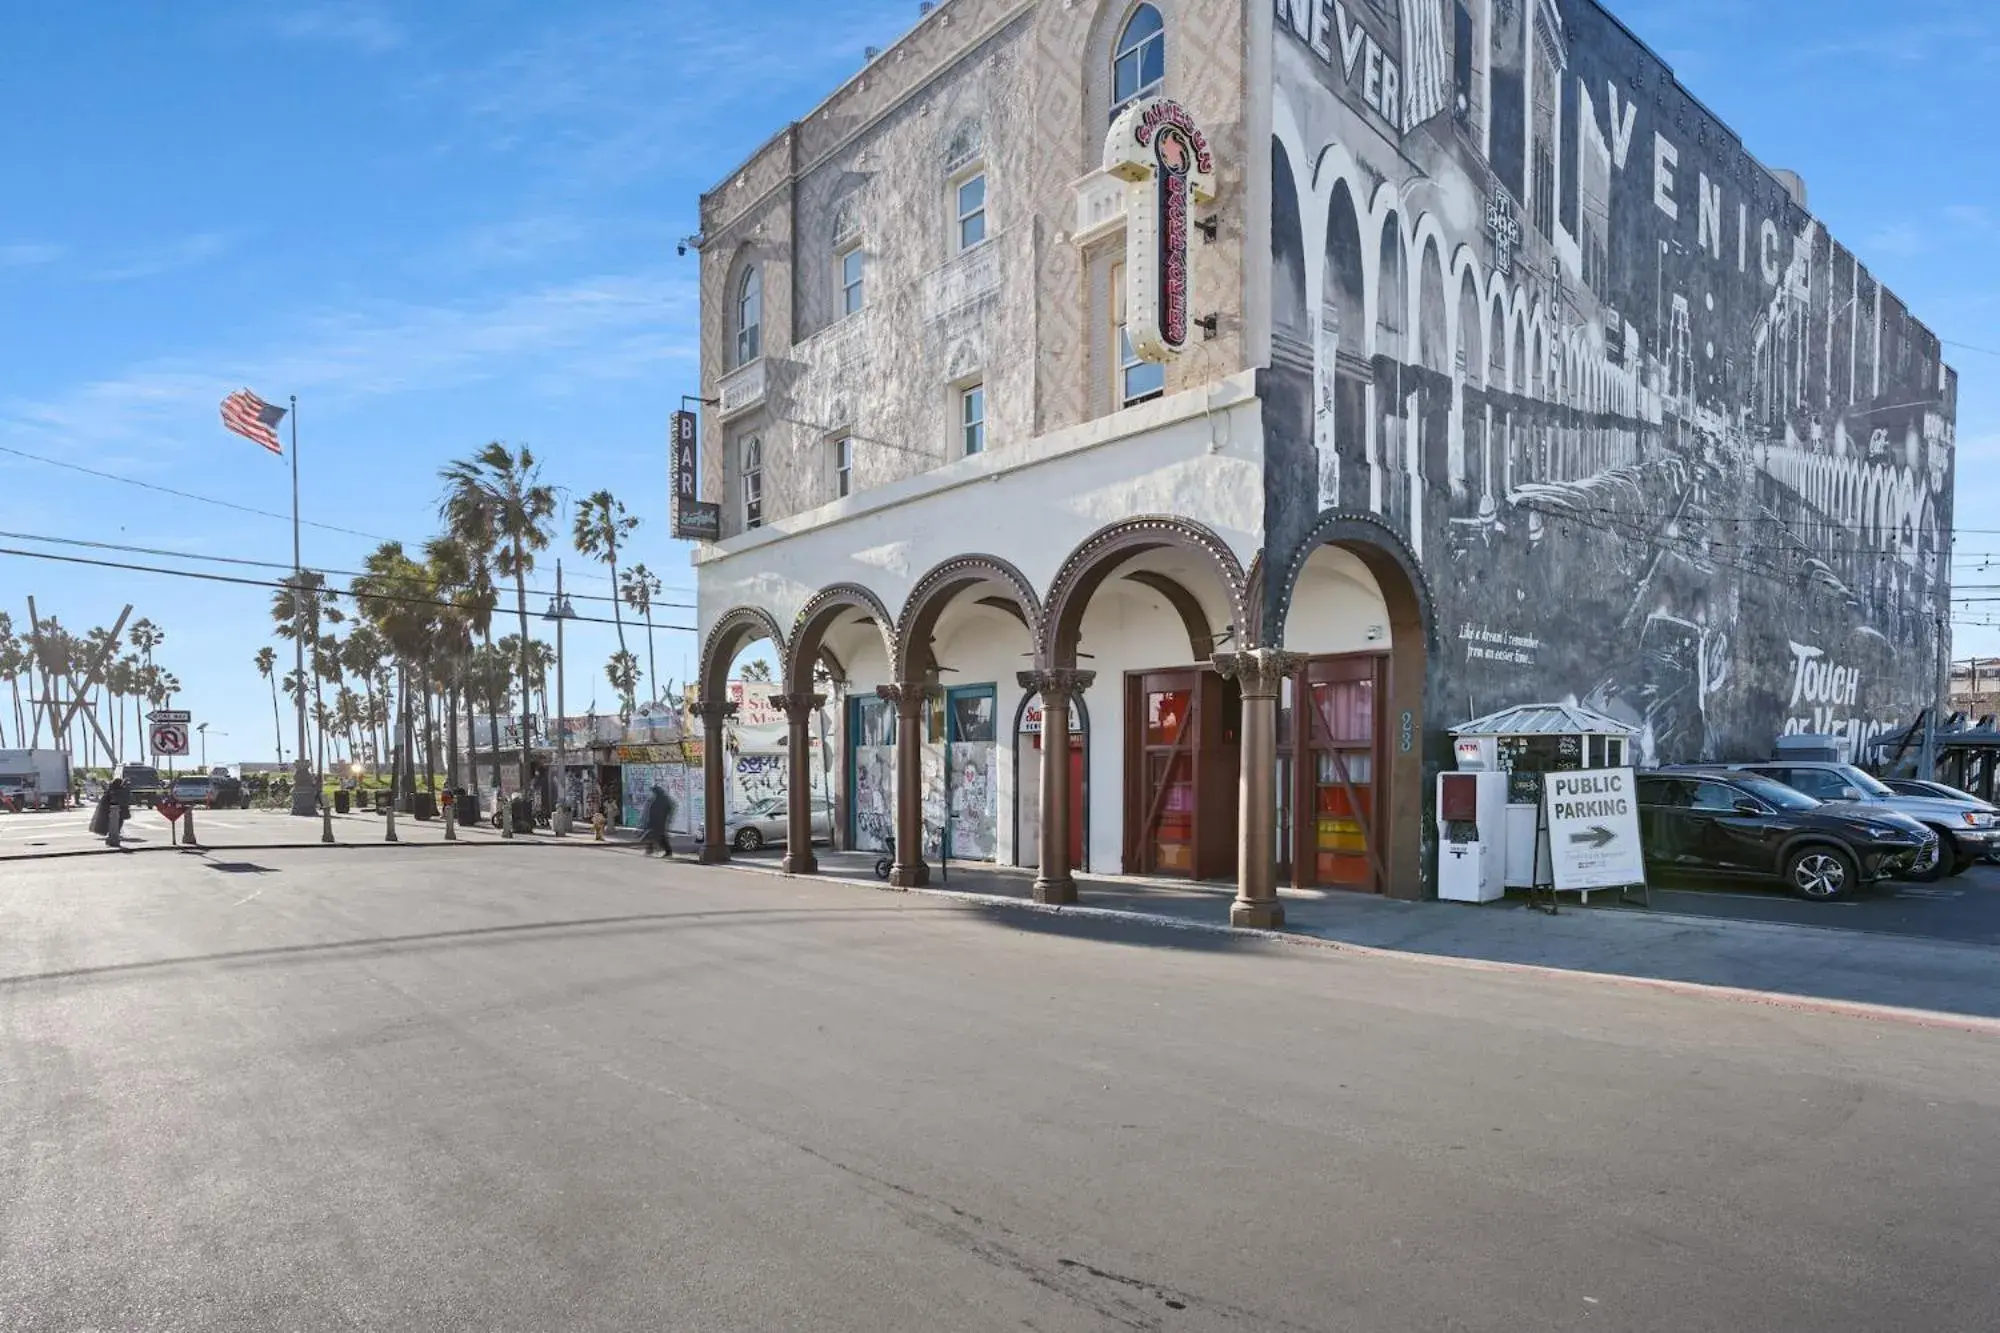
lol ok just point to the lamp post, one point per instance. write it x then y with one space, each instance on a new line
559 611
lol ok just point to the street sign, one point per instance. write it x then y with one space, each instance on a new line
1593 819
170 715
694 518
170 739
170 809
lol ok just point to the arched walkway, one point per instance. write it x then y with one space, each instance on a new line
1361 689
1143 606
966 625
735 630
834 625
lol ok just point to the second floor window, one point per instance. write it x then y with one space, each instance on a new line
749 317
1138 380
850 281
1139 61
753 483
843 466
972 418
971 196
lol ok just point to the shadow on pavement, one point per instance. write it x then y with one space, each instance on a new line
525 932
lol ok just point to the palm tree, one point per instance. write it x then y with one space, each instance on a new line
267 666
361 655
500 492
144 636
395 598
600 521
458 570
757 669
623 673
298 609
640 586
13 661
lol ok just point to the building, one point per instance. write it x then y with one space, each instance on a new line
1167 419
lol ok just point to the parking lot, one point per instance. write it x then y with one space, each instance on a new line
1963 907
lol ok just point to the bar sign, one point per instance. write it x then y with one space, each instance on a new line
694 519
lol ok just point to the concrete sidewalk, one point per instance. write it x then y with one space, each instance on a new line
1812 964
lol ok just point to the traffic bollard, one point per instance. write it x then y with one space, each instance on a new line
187 831
390 827
325 822
451 821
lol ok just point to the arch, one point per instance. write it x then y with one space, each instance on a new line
935 591
1392 290
818 616
1138 56
1289 315
737 628
1079 730
1099 555
1343 282
1406 594
746 314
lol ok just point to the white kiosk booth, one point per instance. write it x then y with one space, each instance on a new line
1486 826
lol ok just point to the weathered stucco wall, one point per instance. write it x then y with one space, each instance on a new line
1659 443
1020 90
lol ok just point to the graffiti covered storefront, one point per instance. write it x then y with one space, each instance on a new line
1659 443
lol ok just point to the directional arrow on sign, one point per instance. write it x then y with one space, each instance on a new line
1595 836
170 715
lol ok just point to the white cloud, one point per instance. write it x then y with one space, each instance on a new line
26 254
361 27
186 252
562 337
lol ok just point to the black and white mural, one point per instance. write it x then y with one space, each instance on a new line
1660 445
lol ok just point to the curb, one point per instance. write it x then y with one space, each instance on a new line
1889 1013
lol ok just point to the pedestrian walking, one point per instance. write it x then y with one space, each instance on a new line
113 809
659 813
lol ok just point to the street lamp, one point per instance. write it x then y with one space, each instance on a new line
559 611
201 730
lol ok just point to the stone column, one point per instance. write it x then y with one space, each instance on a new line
1261 673
799 710
1054 880
713 713
909 870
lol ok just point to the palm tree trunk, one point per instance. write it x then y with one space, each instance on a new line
521 608
430 730
277 723
652 662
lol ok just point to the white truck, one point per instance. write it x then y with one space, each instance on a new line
34 780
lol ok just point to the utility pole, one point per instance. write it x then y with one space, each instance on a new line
559 611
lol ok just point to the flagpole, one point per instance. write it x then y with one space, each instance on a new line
300 803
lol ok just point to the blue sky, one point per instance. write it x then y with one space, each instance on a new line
447 222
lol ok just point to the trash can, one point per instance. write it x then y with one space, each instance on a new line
381 802
426 805
468 805
341 802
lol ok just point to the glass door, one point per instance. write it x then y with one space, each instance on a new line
1343 796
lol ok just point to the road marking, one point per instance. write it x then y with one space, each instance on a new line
1930 893
1748 897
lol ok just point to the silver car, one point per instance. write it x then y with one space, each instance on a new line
763 824
1967 830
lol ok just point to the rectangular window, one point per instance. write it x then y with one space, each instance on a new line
971 211
1138 380
850 281
753 483
843 466
972 419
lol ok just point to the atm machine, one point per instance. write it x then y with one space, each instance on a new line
1472 825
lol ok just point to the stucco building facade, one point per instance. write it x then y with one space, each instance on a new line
1509 375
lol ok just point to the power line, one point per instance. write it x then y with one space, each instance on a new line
332 594
275 564
189 495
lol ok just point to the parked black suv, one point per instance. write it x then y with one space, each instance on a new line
1742 824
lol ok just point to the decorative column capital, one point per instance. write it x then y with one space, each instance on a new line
1260 671
1065 683
798 708
908 695
713 712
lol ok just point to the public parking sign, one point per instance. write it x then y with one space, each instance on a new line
170 739
1593 819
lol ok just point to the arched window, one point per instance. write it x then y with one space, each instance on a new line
749 317
1139 60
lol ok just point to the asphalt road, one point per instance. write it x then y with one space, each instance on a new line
1962 907
447 1089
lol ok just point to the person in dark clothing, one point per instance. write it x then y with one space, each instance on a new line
113 809
659 813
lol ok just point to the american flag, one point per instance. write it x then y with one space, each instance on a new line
253 418
1427 75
